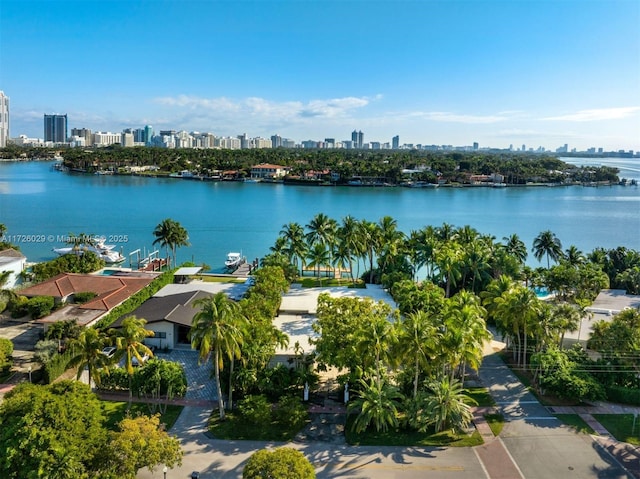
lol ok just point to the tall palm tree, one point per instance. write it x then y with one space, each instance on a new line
392 240
351 241
129 344
370 235
516 309
293 233
376 342
418 342
318 256
217 331
170 234
448 259
547 244
466 330
322 231
86 352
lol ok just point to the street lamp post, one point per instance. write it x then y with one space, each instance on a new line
164 471
29 373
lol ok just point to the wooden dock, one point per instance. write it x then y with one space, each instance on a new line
245 269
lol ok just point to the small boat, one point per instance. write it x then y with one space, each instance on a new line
233 260
104 251
186 174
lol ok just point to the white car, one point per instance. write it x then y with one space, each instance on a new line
135 362
109 351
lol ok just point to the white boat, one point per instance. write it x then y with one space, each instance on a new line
233 260
104 251
182 174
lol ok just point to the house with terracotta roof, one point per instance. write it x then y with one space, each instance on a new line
13 261
266 170
110 292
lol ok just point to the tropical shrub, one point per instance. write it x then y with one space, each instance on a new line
87 262
55 366
18 306
6 349
255 410
290 412
283 463
45 350
40 306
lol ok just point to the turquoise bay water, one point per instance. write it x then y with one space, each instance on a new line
44 206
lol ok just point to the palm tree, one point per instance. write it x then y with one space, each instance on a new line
217 331
318 256
293 233
86 351
447 405
377 403
418 342
171 235
466 330
567 318
448 260
547 243
129 343
322 231
516 247
515 310
376 341
574 256
370 235
350 240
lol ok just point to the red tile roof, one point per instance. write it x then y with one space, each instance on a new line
110 290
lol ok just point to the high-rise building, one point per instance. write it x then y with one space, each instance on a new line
83 133
55 128
4 119
148 134
357 137
276 141
476 145
395 142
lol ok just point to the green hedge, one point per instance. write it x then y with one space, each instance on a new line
623 395
40 306
136 300
54 368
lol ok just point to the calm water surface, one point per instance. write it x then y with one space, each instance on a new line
222 217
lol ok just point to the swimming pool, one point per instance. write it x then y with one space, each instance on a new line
541 291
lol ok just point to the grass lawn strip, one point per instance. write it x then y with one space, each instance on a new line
496 423
621 426
235 428
481 396
116 411
576 423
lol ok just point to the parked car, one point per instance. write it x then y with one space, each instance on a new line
109 351
135 362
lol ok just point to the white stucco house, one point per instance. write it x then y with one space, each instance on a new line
13 261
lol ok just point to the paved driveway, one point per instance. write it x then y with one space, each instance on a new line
200 382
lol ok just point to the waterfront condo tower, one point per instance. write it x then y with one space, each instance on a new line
4 119
357 137
55 128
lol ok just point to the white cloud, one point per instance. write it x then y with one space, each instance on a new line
597 114
267 109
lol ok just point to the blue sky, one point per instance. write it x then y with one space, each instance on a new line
539 73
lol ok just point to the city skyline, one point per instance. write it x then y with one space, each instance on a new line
446 73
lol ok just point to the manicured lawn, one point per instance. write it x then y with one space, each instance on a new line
402 437
235 428
576 423
621 426
496 423
318 282
116 411
481 396
217 279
